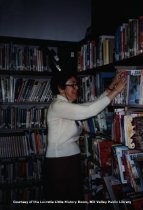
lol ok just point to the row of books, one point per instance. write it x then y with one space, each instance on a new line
129 38
99 149
128 166
13 89
127 128
24 57
96 53
92 182
100 125
22 89
121 169
86 88
30 143
117 159
21 117
127 42
133 93
23 170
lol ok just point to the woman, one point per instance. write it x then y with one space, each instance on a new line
64 178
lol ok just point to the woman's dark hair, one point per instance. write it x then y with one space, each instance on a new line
59 80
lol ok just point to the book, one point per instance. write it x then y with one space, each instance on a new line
134 87
138 122
118 125
129 131
119 166
139 165
114 188
122 97
133 93
105 79
132 126
117 43
104 49
108 50
104 153
137 204
134 170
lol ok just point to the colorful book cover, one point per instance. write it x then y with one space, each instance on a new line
134 87
104 153
119 166
134 174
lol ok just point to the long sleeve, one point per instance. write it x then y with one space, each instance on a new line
67 110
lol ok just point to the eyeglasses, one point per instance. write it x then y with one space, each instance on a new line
72 85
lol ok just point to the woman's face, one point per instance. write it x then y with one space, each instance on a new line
71 89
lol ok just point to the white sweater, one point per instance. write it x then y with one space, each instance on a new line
63 132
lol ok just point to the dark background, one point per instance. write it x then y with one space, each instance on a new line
108 14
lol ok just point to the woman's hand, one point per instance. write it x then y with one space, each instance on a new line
119 76
119 85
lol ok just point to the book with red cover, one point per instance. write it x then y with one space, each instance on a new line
104 153
137 204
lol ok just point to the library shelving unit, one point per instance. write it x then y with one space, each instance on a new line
25 73
115 163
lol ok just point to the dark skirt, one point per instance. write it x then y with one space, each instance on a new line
63 178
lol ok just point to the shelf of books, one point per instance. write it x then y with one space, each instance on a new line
26 68
113 147
112 143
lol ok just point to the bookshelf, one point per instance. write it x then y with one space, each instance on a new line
26 68
120 163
